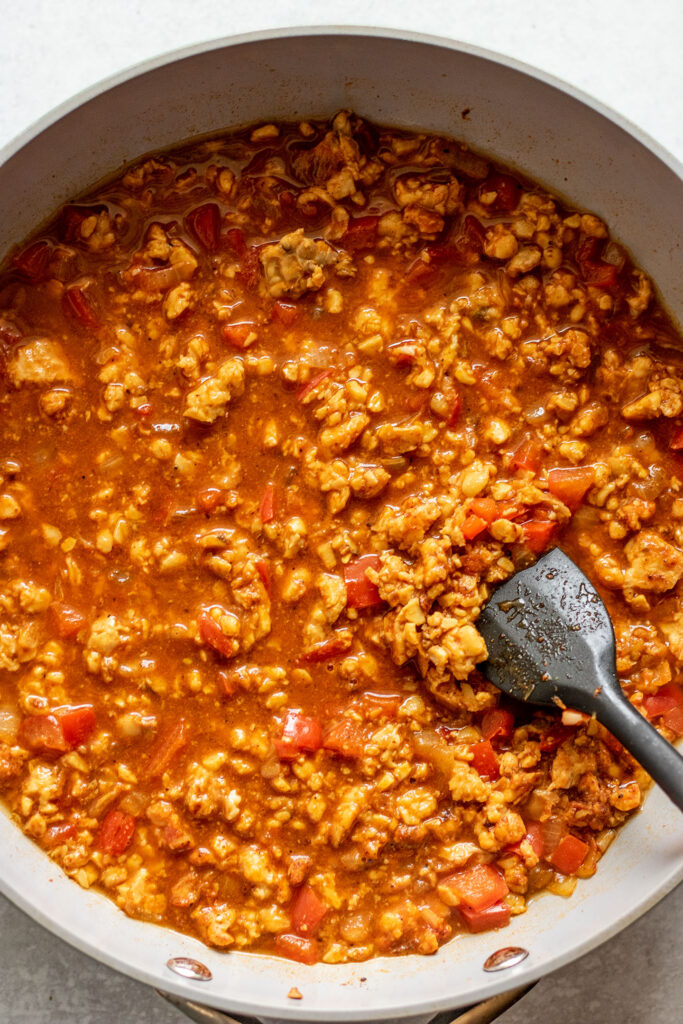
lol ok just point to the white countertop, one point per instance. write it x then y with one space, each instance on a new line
624 52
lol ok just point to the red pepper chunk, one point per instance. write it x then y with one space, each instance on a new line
507 192
360 234
264 572
360 591
478 887
209 499
77 723
569 855
238 334
285 312
68 621
676 442
593 268
307 911
326 650
55 734
204 222
33 261
115 834
345 738
58 834
497 916
473 526
294 947
538 533
211 633
485 761
77 304
166 748
527 456
267 509
497 722
299 732
674 720
534 836
570 485
307 389
666 698
43 734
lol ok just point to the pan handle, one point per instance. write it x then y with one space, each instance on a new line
482 1013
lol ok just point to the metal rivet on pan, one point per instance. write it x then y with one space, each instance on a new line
510 956
186 967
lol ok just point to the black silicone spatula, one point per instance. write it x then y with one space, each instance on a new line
551 642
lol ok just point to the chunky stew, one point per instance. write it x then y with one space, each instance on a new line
279 411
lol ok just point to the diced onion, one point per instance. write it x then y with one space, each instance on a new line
9 725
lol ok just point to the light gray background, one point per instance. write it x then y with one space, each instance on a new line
624 52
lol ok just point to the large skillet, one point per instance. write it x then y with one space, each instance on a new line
547 131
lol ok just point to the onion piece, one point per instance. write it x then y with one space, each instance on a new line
9 724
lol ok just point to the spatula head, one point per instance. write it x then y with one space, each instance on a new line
549 636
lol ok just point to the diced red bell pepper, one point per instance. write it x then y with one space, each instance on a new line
569 855
166 747
571 484
388 703
235 239
666 698
538 534
307 389
264 572
78 305
497 722
68 621
527 456
115 834
295 947
485 508
344 737
209 499
507 192
267 508
205 224
473 526
676 442
299 732
54 734
456 409
307 911
469 244
554 736
70 221
211 633
593 269
360 591
674 720
497 916
534 836
58 834
285 312
360 234
33 261
485 761
43 734
332 648
77 723
478 887
237 334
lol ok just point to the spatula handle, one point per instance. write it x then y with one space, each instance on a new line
657 756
